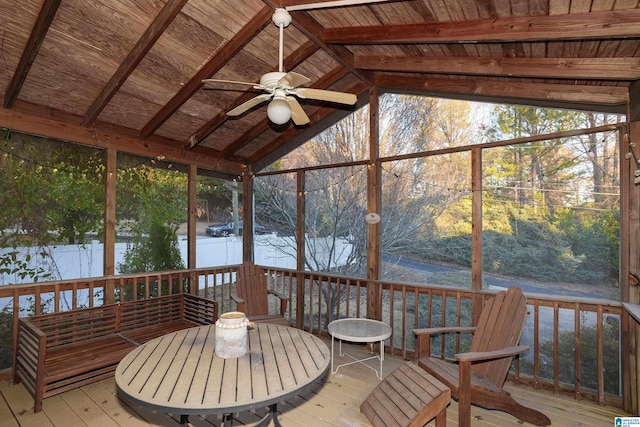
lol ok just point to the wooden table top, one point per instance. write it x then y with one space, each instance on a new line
179 372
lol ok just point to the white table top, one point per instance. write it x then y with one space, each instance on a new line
359 330
179 372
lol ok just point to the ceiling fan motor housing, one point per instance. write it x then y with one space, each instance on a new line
281 17
270 80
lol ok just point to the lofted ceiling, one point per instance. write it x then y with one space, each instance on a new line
131 71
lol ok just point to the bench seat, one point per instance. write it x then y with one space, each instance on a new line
144 334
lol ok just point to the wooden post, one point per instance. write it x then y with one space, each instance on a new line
630 254
476 233
191 227
300 246
374 293
247 215
111 169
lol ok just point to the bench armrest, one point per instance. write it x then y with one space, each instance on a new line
28 358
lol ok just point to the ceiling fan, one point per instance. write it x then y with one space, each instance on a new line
283 88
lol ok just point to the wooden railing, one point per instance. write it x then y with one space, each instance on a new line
575 344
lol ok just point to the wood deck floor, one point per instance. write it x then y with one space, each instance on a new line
335 402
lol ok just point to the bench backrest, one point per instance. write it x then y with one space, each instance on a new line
150 311
75 325
156 310
199 310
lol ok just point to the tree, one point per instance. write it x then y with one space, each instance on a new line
529 168
51 192
152 204
156 252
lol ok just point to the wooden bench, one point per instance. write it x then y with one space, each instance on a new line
58 352
408 396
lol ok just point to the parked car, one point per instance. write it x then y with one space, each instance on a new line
224 230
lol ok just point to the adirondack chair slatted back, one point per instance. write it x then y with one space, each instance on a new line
251 285
500 325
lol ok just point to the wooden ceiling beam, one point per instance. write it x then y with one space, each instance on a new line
315 32
264 125
39 120
558 68
579 26
229 50
168 13
290 62
38 33
611 99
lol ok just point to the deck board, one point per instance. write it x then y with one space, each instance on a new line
335 402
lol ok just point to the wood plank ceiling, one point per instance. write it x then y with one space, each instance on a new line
132 70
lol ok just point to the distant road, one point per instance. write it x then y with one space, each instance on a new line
527 287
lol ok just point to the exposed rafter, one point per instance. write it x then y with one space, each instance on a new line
611 99
341 54
253 27
146 42
40 29
594 25
559 68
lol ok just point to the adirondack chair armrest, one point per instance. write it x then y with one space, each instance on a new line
482 356
284 300
423 337
238 301
465 360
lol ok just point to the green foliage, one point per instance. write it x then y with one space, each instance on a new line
147 194
593 236
156 252
14 264
521 243
51 191
151 204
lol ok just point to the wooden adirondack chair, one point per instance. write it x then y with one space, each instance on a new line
479 375
252 295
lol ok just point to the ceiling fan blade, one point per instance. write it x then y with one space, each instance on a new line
228 81
336 3
298 115
326 95
292 79
250 104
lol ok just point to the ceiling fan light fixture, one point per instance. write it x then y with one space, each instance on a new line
279 111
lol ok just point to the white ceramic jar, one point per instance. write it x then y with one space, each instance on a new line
231 335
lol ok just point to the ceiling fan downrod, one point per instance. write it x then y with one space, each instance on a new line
281 18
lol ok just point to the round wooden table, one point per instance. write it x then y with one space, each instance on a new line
179 372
